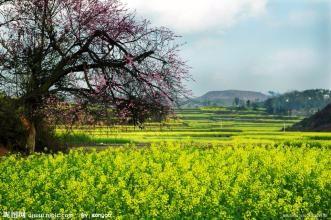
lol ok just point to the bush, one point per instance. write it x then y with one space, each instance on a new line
47 140
12 132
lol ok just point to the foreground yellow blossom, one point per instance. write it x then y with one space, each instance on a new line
172 181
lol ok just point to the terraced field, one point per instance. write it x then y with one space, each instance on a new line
203 126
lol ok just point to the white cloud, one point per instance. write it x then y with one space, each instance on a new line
295 19
300 18
303 18
198 15
289 62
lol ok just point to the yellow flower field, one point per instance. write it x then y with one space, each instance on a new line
172 181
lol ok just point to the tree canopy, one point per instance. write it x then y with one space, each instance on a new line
89 51
305 103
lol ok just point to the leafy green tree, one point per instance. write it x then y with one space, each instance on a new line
236 101
248 103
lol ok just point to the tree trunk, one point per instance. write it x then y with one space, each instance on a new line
30 127
3 151
31 139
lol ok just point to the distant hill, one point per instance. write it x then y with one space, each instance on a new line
232 94
321 121
226 98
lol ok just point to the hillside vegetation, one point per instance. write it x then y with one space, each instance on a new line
321 121
306 102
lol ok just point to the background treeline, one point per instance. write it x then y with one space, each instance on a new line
306 102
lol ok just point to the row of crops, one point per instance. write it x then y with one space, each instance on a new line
217 125
172 181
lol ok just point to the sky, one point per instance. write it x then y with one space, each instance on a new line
258 45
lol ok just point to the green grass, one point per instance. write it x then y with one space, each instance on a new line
84 139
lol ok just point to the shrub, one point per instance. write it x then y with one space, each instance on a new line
12 132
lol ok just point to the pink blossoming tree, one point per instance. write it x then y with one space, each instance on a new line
94 51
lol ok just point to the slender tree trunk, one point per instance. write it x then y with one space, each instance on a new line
31 139
30 127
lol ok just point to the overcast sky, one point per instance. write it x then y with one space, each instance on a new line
259 45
